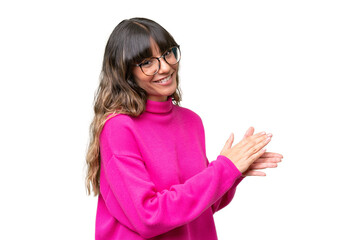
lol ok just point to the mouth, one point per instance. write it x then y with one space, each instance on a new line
164 80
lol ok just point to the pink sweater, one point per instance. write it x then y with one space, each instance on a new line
156 181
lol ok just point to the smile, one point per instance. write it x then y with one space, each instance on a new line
164 80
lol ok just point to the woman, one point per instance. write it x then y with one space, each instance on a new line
146 158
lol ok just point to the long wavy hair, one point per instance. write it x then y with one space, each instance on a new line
129 43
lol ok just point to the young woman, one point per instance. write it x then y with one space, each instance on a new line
146 158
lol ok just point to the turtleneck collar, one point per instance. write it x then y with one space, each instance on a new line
159 107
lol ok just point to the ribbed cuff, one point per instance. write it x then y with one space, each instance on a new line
234 170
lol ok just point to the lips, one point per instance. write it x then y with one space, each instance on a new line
165 78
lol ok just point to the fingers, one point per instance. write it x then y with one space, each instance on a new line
267 160
247 142
250 147
271 154
257 143
249 132
257 166
255 156
262 165
258 137
249 154
228 143
254 173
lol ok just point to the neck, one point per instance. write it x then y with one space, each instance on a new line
158 98
159 106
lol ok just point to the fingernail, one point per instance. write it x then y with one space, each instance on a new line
269 134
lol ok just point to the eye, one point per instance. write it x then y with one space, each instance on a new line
168 52
146 63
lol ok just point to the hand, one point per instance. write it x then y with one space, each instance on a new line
267 160
247 151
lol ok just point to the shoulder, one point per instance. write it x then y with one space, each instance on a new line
119 119
118 122
188 114
118 137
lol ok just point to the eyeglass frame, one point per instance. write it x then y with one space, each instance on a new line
158 58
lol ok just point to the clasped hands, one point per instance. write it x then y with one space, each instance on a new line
249 155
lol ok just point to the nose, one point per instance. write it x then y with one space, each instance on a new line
164 66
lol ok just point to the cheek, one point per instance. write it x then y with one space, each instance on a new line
141 78
142 81
176 67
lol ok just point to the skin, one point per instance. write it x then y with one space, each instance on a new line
248 156
155 91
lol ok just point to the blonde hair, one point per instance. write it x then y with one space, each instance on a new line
129 43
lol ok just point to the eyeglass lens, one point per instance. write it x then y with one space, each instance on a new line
152 65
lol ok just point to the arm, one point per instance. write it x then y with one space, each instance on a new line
266 160
227 197
132 198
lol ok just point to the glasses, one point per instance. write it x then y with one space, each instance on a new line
152 65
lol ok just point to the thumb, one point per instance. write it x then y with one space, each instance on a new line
228 143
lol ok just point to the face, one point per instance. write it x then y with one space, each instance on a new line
157 91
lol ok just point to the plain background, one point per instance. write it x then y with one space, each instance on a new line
286 67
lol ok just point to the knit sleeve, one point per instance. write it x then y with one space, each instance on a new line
227 197
131 197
